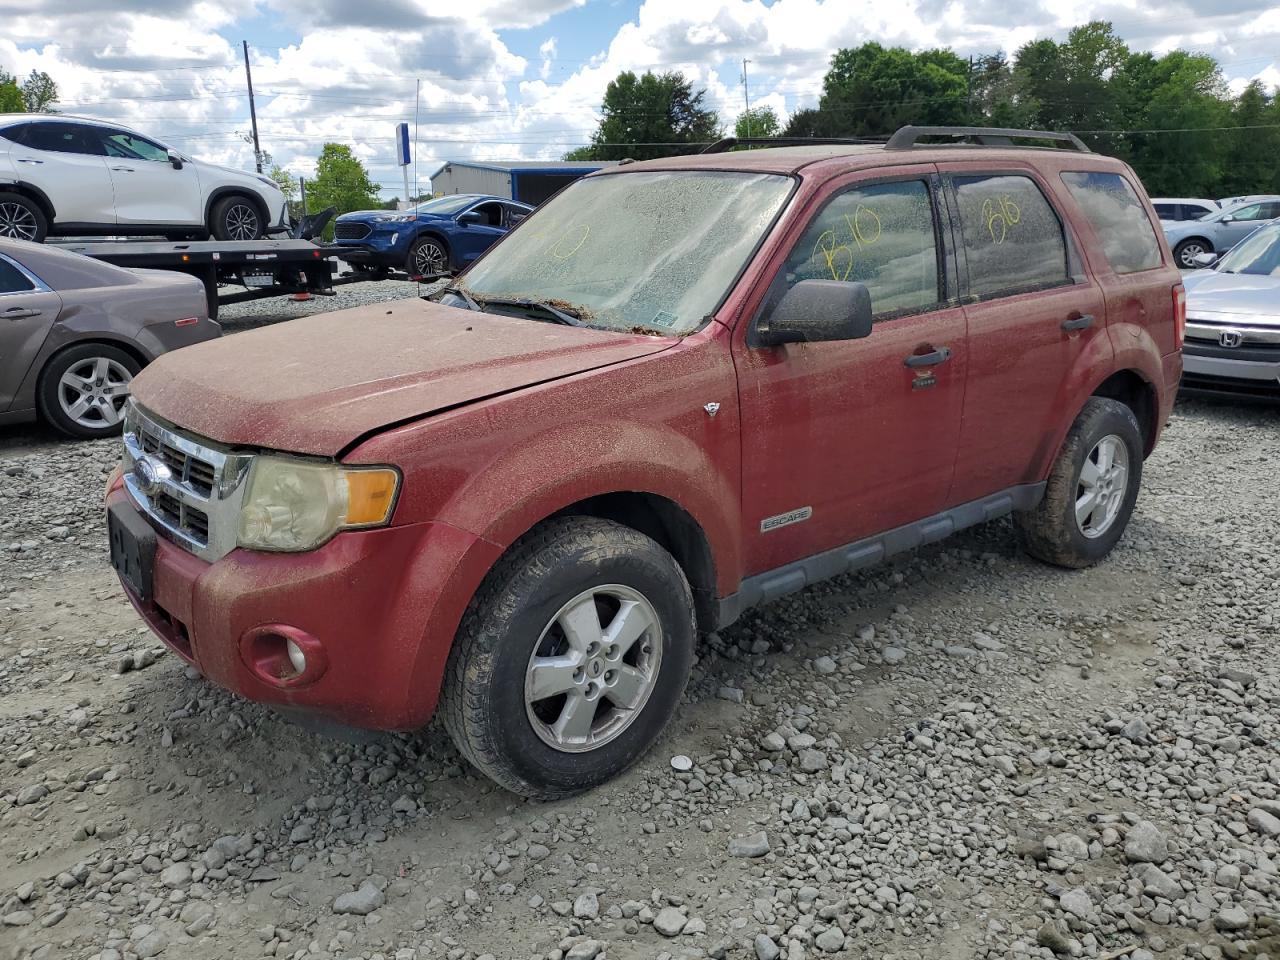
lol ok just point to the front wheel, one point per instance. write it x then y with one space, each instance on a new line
237 218
571 659
1186 252
427 258
1092 489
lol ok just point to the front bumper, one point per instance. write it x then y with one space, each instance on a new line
386 245
375 612
1251 372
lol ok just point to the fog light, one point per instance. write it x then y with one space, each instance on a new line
296 656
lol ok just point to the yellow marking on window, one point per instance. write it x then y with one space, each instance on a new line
558 250
1000 214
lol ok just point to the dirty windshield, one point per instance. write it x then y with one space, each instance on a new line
656 251
1259 255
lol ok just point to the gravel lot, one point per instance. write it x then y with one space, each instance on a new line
961 754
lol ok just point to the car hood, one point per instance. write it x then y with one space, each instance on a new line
318 384
371 216
246 174
1211 292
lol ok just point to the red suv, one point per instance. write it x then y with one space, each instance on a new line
679 389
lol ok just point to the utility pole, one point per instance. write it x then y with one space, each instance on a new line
253 113
746 98
302 186
968 102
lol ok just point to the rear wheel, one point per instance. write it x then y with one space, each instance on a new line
237 218
21 218
1186 252
1091 491
83 390
427 258
571 659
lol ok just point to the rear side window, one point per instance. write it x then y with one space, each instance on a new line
1169 211
60 138
1013 240
12 279
1118 218
881 235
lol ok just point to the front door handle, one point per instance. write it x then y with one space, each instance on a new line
123 169
19 313
1083 322
29 160
940 355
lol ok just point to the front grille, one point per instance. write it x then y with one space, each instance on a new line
1236 386
351 231
189 488
187 468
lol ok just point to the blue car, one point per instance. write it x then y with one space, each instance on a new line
433 239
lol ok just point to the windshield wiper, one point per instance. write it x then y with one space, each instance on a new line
555 314
460 293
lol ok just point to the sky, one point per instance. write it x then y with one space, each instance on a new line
517 79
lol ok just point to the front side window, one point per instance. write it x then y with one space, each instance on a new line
130 146
1251 212
654 250
881 235
16 133
1013 240
12 280
1118 218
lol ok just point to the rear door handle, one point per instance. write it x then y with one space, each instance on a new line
123 169
940 355
19 313
1083 322
28 160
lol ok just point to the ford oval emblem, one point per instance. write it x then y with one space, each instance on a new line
150 475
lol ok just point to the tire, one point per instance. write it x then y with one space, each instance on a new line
1185 251
21 218
428 257
1105 431
237 218
562 571
74 375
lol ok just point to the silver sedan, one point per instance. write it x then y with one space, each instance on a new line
74 331
1233 320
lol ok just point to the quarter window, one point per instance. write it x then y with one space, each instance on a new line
1118 218
1013 240
881 235
12 279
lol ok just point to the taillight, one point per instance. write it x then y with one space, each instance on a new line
1179 314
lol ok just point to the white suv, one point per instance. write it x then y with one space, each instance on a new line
69 176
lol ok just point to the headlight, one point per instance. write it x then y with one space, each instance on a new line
294 505
404 218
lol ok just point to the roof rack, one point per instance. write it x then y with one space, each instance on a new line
728 143
906 137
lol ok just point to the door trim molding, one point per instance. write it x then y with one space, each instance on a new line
794 576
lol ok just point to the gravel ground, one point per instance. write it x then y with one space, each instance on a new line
961 754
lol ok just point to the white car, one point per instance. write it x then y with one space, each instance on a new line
1177 209
70 176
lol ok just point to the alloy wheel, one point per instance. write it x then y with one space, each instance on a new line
93 391
429 259
242 222
1103 484
17 222
593 668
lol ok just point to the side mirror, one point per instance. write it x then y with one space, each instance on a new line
817 310
1228 219
471 216
175 160
1205 259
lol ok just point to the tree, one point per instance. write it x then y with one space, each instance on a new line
873 90
341 181
757 122
653 115
36 94
285 181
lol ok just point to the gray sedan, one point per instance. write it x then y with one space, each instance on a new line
1217 232
1233 321
74 331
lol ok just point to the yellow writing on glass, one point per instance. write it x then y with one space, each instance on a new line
571 242
864 227
1000 213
